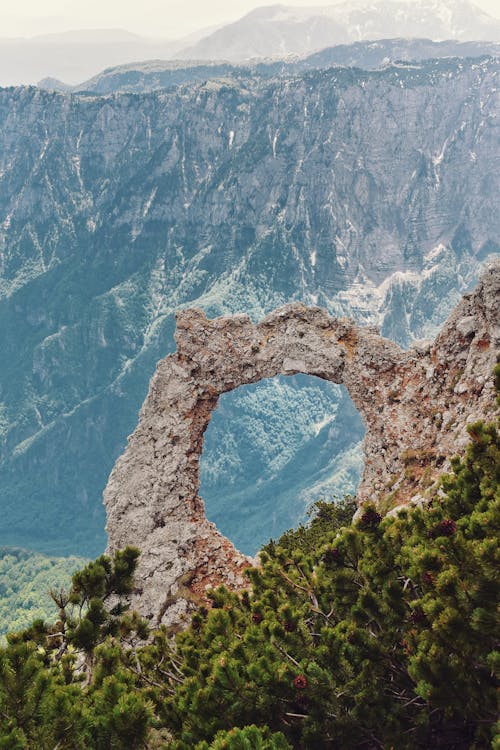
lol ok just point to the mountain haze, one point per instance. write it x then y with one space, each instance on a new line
280 30
77 55
275 31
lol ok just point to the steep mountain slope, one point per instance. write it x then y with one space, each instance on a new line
372 194
279 30
153 75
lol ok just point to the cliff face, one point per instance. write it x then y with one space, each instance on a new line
371 194
415 406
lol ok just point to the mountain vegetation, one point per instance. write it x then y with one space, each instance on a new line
238 486
25 581
376 633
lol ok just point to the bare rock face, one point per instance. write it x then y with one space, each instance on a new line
415 406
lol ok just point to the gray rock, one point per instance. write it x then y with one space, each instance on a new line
466 326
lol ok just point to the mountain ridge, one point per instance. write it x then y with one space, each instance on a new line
266 32
153 75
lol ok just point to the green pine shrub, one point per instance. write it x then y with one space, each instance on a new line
248 738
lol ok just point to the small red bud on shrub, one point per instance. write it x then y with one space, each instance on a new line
447 527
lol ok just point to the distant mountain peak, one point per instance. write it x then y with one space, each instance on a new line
280 30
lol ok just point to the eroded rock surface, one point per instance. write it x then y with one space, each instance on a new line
415 405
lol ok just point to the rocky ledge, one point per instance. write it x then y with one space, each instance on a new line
415 404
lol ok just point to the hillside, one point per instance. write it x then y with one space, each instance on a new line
25 581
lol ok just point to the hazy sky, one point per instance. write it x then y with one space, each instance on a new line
161 18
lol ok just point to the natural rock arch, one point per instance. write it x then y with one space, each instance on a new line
414 405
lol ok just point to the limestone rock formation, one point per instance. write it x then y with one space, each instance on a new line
415 405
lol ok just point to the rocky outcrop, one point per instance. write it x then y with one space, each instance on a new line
415 406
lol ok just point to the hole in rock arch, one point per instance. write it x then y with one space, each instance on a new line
273 448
